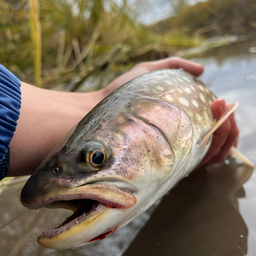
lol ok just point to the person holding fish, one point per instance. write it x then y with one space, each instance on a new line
46 116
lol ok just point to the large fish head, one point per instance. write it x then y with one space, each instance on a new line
111 170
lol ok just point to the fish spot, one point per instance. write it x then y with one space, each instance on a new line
187 90
186 79
195 103
183 101
180 80
202 98
159 88
200 87
169 82
206 116
198 117
168 97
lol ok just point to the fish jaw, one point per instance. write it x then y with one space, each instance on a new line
95 207
101 223
93 228
105 194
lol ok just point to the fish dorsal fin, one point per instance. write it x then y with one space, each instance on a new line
218 123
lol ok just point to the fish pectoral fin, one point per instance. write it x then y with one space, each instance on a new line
234 152
218 123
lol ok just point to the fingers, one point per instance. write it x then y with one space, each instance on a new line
231 140
146 67
224 138
173 63
219 137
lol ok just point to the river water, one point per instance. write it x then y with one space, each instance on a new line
211 212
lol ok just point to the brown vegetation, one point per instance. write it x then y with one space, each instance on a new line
78 37
225 17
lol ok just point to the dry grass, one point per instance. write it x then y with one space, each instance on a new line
35 28
77 38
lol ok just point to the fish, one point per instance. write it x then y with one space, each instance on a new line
123 156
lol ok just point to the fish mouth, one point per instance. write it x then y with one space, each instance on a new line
87 202
82 209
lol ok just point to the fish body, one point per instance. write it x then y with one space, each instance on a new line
124 155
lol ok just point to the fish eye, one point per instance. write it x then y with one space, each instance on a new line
97 157
93 155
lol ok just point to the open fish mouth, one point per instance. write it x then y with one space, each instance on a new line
82 209
87 202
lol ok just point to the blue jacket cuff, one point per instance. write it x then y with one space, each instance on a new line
10 102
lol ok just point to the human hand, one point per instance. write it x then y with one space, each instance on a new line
150 66
224 137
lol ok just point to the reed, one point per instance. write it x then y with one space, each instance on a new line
35 28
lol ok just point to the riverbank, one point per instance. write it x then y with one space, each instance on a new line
85 39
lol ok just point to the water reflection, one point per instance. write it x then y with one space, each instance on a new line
228 81
226 54
199 217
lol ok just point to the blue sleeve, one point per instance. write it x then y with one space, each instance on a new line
10 101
